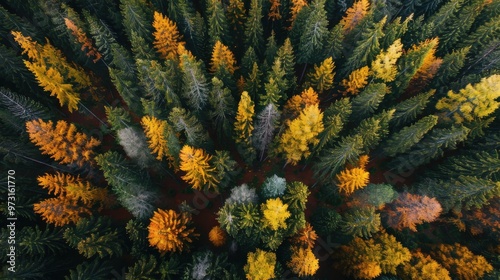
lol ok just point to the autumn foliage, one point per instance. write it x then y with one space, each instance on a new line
196 163
260 265
217 236
353 178
167 37
62 142
409 210
169 231
460 261
81 37
303 262
275 214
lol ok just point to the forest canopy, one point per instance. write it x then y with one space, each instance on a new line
250 139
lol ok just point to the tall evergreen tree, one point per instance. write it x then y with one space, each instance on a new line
218 28
195 85
266 124
243 127
313 33
192 131
253 27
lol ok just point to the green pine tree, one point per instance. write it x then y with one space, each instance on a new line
195 85
361 222
218 27
408 110
193 133
366 102
313 30
253 27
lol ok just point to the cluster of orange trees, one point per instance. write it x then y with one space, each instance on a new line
370 128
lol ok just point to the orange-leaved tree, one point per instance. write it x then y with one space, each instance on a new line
353 178
302 133
82 38
354 15
461 262
260 265
217 236
305 237
53 72
169 231
196 163
303 262
60 211
167 37
408 210
356 81
62 142
297 103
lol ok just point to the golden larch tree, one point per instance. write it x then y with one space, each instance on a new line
321 79
297 5
222 57
356 81
301 134
354 178
354 15
461 262
166 36
62 142
243 127
81 37
217 236
260 265
274 10
303 262
305 237
297 103
275 213
196 163
155 130
60 211
423 267
472 102
53 72
169 231
384 66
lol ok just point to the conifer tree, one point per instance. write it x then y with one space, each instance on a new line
102 34
297 103
132 187
235 14
275 213
353 178
450 67
222 57
266 124
53 72
169 231
354 15
159 83
483 164
407 137
166 36
271 49
243 127
253 27
314 32
362 222
222 106
193 132
62 142
423 266
357 80
199 172
384 65
301 133
408 110
81 37
473 101
296 6
195 85
217 236
303 262
335 116
136 17
286 56
260 265
322 77
365 103
253 82
133 141
218 28
458 259
60 211
157 131
274 10
333 47
22 107
408 210
367 47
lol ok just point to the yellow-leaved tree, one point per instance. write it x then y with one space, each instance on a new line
461 262
169 231
62 142
53 72
156 131
167 37
297 103
472 102
243 127
321 79
353 178
199 173
260 265
301 134
354 15
423 267
356 81
275 213
384 66
303 262
223 58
